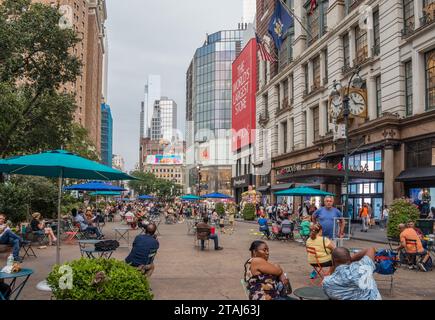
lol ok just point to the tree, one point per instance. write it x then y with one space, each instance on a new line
81 145
36 62
401 211
145 184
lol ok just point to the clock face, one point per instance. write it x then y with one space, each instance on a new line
356 103
336 106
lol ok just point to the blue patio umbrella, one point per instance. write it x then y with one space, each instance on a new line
145 197
303 191
216 195
60 164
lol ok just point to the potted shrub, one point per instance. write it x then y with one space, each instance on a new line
401 211
100 279
249 212
220 209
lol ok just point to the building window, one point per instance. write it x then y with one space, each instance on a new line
346 51
368 161
428 12
377 34
285 90
430 79
316 123
285 135
408 16
316 73
292 89
361 45
419 154
292 123
304 121
378 96
408 88
316 20
325 80
285 54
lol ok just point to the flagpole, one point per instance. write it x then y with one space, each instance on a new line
291 12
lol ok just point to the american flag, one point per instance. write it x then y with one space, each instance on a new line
264 53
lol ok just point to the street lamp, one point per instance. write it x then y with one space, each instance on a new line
356 82
198 170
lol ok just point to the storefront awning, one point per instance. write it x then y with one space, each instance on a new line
417 174
263 188
282 186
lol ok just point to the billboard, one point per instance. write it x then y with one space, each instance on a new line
244 87
164 159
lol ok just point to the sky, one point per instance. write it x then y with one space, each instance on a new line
155 37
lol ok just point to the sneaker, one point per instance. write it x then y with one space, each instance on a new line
219 248
422 267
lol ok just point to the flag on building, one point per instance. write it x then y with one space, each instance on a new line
279 24
313 6
264 52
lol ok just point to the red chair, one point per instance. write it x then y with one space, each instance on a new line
317 268
72 233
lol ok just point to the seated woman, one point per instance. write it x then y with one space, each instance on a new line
38 227
322 245
265 280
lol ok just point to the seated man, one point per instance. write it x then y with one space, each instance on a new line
142 246
8 237
408 235
206 234
352 276
85 227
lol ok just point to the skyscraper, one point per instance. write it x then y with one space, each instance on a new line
152 93
106 135
209 106
249 10
142 119
168 114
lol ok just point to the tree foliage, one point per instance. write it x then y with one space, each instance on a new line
149 184
36 62
401 211
81 145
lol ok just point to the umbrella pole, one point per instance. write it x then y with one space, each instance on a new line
59 199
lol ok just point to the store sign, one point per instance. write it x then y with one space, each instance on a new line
242 181
360 168
244 86
290 170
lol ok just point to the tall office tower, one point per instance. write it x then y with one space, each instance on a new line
87 19
156 123
106 135
142 119
209 94
152 93
168 113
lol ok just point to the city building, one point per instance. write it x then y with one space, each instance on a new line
152 93
168 114
392 136
106 135
118 162
142 120
87 19
209 112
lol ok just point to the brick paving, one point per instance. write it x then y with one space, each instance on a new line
186 273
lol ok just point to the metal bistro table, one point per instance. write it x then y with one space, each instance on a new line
90 251
15 288
123 233
311 293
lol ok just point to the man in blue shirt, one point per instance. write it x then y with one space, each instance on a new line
352 276
84 226
326 216
143 245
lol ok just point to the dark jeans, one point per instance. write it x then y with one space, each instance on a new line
266 232
9 237
92 229
213 237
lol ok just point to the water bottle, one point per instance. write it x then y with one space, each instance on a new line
10 261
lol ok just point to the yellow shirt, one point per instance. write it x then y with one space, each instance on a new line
322 255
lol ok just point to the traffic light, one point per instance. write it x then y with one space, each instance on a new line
340 166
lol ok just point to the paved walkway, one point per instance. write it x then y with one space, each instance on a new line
186 273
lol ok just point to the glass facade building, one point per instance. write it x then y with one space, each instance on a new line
106 135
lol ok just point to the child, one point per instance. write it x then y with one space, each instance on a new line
264 227
305 227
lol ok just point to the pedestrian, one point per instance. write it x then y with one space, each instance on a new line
364 215
327 216
384 217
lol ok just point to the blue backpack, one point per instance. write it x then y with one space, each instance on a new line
386 262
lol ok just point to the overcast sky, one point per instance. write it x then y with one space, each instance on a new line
156 37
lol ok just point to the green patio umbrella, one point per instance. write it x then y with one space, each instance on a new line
190 197
60 164
303 191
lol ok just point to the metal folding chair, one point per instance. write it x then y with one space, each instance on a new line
317 268
26 246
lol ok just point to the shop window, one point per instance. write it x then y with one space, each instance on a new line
419 154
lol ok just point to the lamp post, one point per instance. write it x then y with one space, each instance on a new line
354 81
198 170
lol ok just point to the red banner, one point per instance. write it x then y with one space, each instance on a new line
244 89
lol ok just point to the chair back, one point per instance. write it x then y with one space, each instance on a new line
411 243
202 233
312 251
